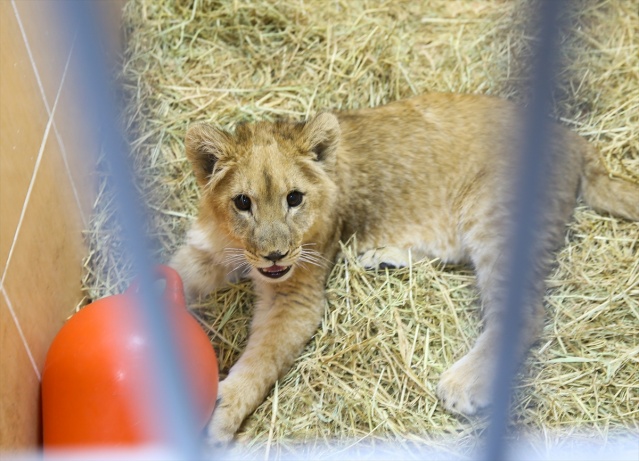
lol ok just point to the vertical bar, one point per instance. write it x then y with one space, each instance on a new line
535 156
98 92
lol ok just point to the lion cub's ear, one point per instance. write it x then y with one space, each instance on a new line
322 134
205 145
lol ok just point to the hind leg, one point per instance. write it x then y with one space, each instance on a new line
385 257
466 387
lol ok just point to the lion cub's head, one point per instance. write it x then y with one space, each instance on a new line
269 187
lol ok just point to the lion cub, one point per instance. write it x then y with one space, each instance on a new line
429 175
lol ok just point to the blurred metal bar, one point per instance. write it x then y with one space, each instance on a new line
534 157
98 93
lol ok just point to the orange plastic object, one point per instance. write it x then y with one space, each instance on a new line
97 389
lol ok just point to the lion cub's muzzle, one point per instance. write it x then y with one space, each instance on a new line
274 265
276 270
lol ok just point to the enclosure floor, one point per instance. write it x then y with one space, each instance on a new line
369 373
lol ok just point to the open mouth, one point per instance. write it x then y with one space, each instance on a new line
274 271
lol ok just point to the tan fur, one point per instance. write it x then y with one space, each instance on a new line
431 175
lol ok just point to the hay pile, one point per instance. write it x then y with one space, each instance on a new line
370 371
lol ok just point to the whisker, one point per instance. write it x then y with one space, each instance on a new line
235 263
314 256
310 261
301 265
313 253
309 257
244 266
232 258
233 254
233 250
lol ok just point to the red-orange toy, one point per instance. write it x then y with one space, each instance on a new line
97 385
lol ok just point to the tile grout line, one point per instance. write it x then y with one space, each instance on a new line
46 104
76 195
20 332
30 54
63 149
40 151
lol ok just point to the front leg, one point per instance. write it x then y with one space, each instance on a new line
201 263
286 316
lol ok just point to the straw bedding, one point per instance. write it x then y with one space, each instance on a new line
370 371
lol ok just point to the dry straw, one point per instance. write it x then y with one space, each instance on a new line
370 371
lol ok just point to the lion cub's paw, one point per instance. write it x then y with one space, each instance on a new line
384 258
226 417
466 386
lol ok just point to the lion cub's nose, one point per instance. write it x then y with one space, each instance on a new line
275 256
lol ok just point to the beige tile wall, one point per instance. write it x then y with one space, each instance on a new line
46 195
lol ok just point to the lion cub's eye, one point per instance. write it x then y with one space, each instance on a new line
294 198
242 203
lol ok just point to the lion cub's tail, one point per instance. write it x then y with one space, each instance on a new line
616 196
